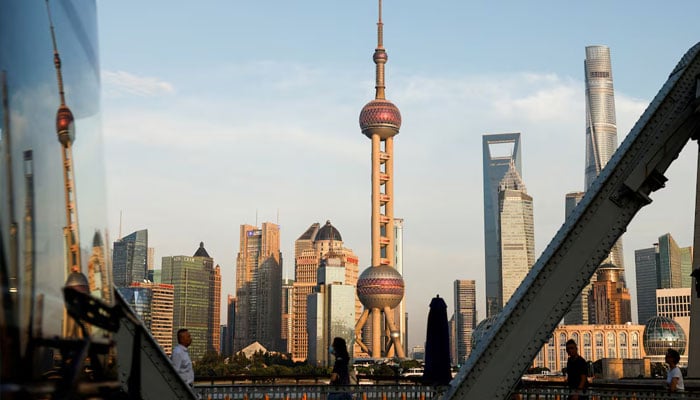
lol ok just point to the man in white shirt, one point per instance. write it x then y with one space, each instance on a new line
181 357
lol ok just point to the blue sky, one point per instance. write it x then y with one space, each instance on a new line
215 110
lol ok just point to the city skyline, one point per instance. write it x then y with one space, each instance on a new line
181 123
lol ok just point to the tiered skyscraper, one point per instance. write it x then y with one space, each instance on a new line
601 143
380 287
258 287
495 166
311 248
516 233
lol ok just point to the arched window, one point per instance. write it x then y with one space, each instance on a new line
622 337
563 357
587 348
599 346
635 344
612 353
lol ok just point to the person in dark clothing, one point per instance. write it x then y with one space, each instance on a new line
576 372
340 376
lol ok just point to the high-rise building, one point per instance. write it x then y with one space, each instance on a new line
153 303
609 299
601 125
330 309
516 233
214 293
400 316
227 348
499 152
464 318
150 263
601 143
287 301
129 258
663 266
578 313
191 306
669 267
381 287
258 287
311 248
686 266
645 263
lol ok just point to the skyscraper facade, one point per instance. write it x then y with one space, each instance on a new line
464 318
153 303
191 281
578 313
227 348
609 300
516 233
316 243
214 293
645 265
601 124
330 309
601 143
258 287
663 266
287 301
129 258
669 267
495 166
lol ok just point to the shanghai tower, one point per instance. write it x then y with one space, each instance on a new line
601 126
601 143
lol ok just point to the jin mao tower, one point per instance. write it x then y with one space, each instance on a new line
381 287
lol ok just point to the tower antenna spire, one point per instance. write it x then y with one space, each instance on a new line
380 58
56 57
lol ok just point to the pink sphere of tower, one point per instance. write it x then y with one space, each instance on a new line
380 117
380 287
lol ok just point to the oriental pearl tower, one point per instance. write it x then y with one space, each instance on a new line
381 287
65 130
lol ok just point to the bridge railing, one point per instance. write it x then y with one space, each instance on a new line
318 392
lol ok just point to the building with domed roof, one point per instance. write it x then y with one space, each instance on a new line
316 244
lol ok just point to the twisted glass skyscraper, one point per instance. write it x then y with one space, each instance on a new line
601 126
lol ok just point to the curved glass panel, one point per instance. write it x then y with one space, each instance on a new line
42 181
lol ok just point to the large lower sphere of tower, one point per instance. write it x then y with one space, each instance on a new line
380 287
380 117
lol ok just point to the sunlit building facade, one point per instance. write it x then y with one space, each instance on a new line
330 309
594 343
191 281
516 239
153 303
496 162
609 300
258 287
310 249
464 319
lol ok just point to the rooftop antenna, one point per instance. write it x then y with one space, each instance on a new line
120 224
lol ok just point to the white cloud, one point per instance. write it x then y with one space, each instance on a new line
122 84
196 168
